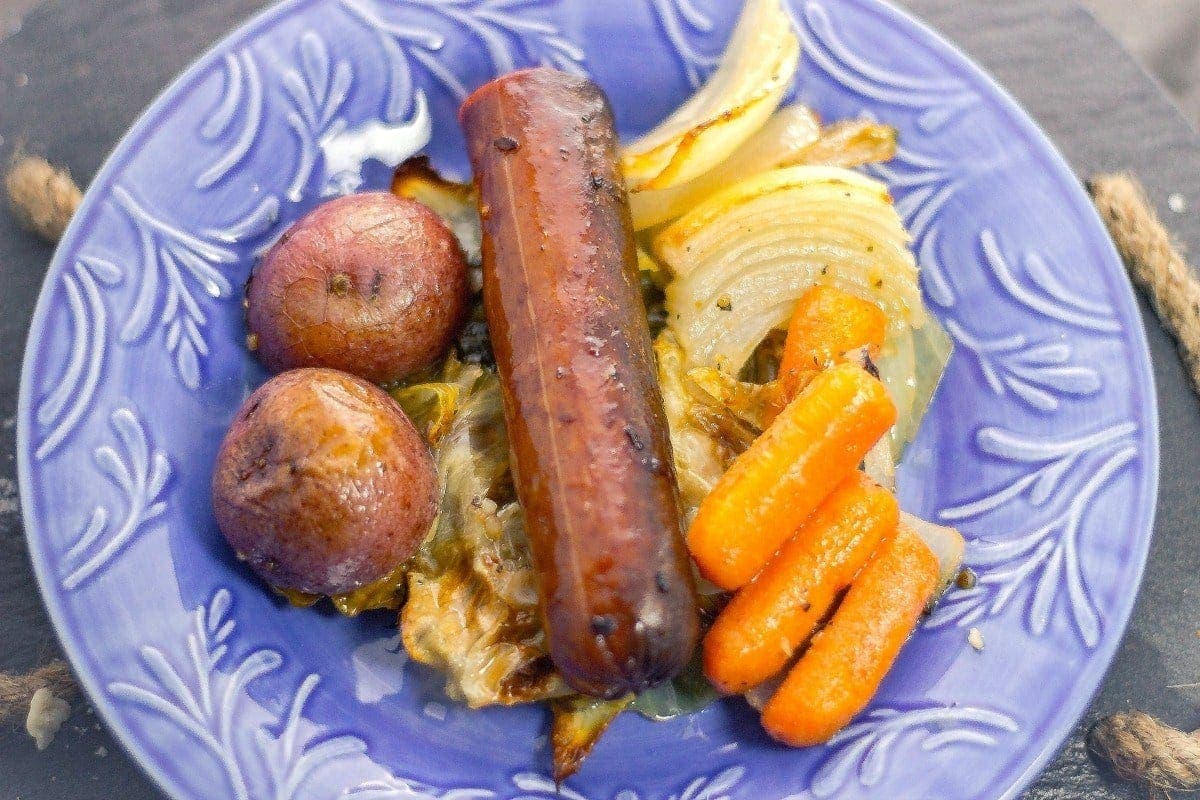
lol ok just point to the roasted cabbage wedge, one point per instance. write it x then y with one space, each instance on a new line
472 608
576 724
700 459
755 72
431 406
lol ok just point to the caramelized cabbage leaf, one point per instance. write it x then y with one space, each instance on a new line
472 608
472 597
576 724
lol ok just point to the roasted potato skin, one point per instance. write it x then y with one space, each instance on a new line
371 284
322 484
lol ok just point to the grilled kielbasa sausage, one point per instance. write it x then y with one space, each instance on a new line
585 418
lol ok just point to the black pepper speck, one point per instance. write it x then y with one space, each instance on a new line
634 439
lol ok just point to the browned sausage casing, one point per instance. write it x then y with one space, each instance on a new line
589 436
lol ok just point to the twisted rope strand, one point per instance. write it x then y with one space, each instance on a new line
16 690
1154 262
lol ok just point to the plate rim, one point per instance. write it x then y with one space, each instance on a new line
1052 737
47 588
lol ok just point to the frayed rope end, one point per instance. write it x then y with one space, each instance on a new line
42 197
17 690
1155 263
1143 750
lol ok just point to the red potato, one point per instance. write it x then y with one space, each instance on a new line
371 284
322 483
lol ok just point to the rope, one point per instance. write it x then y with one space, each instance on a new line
1140 748
16 690
1153 261
42 197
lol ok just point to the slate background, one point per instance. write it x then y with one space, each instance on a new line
77 73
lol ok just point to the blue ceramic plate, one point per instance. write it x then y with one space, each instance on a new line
1041 444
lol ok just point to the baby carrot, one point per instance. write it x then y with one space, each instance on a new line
827 324
847 660
769 490
771 617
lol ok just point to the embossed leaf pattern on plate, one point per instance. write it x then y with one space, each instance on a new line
862 751
938 102
318 87
191 688
682 22
141 473
177 270
62 408
505 29
292 117
1042 374
716 786
1045 560
243 91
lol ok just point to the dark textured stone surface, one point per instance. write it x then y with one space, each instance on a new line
92 65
